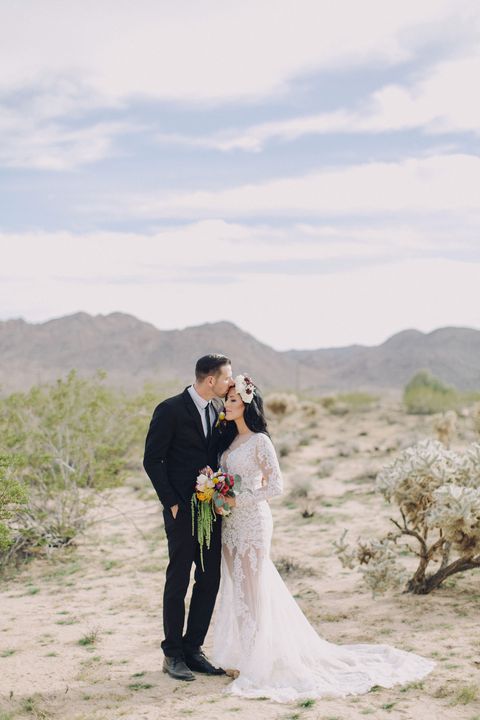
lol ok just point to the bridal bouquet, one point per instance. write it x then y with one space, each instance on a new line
211 489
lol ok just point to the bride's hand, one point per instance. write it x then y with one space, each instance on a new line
231 502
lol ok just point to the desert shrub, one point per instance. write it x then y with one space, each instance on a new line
12 496
344 403
476 417
300 494
70 440
325 468
280 404
357 400
437 493
376 560
348 449
327 402
425 395
76 429
286 566
286 443
308 409
333 406
445 426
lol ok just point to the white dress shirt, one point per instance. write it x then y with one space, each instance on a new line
201 404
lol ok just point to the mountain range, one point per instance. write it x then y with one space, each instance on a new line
133 351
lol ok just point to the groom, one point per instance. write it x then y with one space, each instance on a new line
182 439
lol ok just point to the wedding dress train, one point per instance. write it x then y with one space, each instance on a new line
259 628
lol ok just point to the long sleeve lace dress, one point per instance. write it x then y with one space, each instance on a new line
259 629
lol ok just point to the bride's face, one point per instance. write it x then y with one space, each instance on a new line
234 405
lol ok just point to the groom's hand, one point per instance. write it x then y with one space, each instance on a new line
174 511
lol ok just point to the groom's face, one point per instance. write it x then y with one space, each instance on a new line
224 381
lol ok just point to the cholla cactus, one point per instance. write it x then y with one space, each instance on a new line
413 477
469 469
348 556
438 495
445 427
377 561
476 417
379 565
456 511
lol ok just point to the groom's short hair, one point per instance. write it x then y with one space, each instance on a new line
210 365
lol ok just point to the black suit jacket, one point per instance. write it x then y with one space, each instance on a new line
176 449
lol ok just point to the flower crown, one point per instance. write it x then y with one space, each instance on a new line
245 388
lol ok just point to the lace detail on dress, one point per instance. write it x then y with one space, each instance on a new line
267 637
259 469
247 531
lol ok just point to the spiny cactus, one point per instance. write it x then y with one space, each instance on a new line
445 427
437 492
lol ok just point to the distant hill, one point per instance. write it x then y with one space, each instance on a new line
132 351
451 354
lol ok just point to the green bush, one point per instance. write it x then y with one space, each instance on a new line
426 395
69 440
12 494
348 402
357 400
77 430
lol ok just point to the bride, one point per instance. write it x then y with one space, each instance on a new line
260 630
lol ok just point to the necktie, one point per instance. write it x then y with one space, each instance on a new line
209 424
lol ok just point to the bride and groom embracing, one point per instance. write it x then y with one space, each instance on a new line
260 632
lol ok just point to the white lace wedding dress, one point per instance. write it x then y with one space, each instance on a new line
259 628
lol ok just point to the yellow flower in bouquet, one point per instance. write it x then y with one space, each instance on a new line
206 494
211 489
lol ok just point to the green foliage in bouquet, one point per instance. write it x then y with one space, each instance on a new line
204 504
437 492
425 395
203 515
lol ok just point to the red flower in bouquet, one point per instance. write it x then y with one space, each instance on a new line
211 489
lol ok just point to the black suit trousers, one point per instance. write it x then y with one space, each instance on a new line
183 551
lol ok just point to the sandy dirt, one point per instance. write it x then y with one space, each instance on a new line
80 631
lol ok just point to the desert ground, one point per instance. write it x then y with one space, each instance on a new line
80 630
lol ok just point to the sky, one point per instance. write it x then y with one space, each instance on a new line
308 170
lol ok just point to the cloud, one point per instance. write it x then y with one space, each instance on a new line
317 295
443 101
51 146
182 253
58 62
212 51
441 183
360 283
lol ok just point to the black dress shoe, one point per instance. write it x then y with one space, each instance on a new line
199 663
176 668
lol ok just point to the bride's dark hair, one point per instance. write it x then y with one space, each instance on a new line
254 416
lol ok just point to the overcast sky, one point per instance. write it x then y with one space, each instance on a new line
308 170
